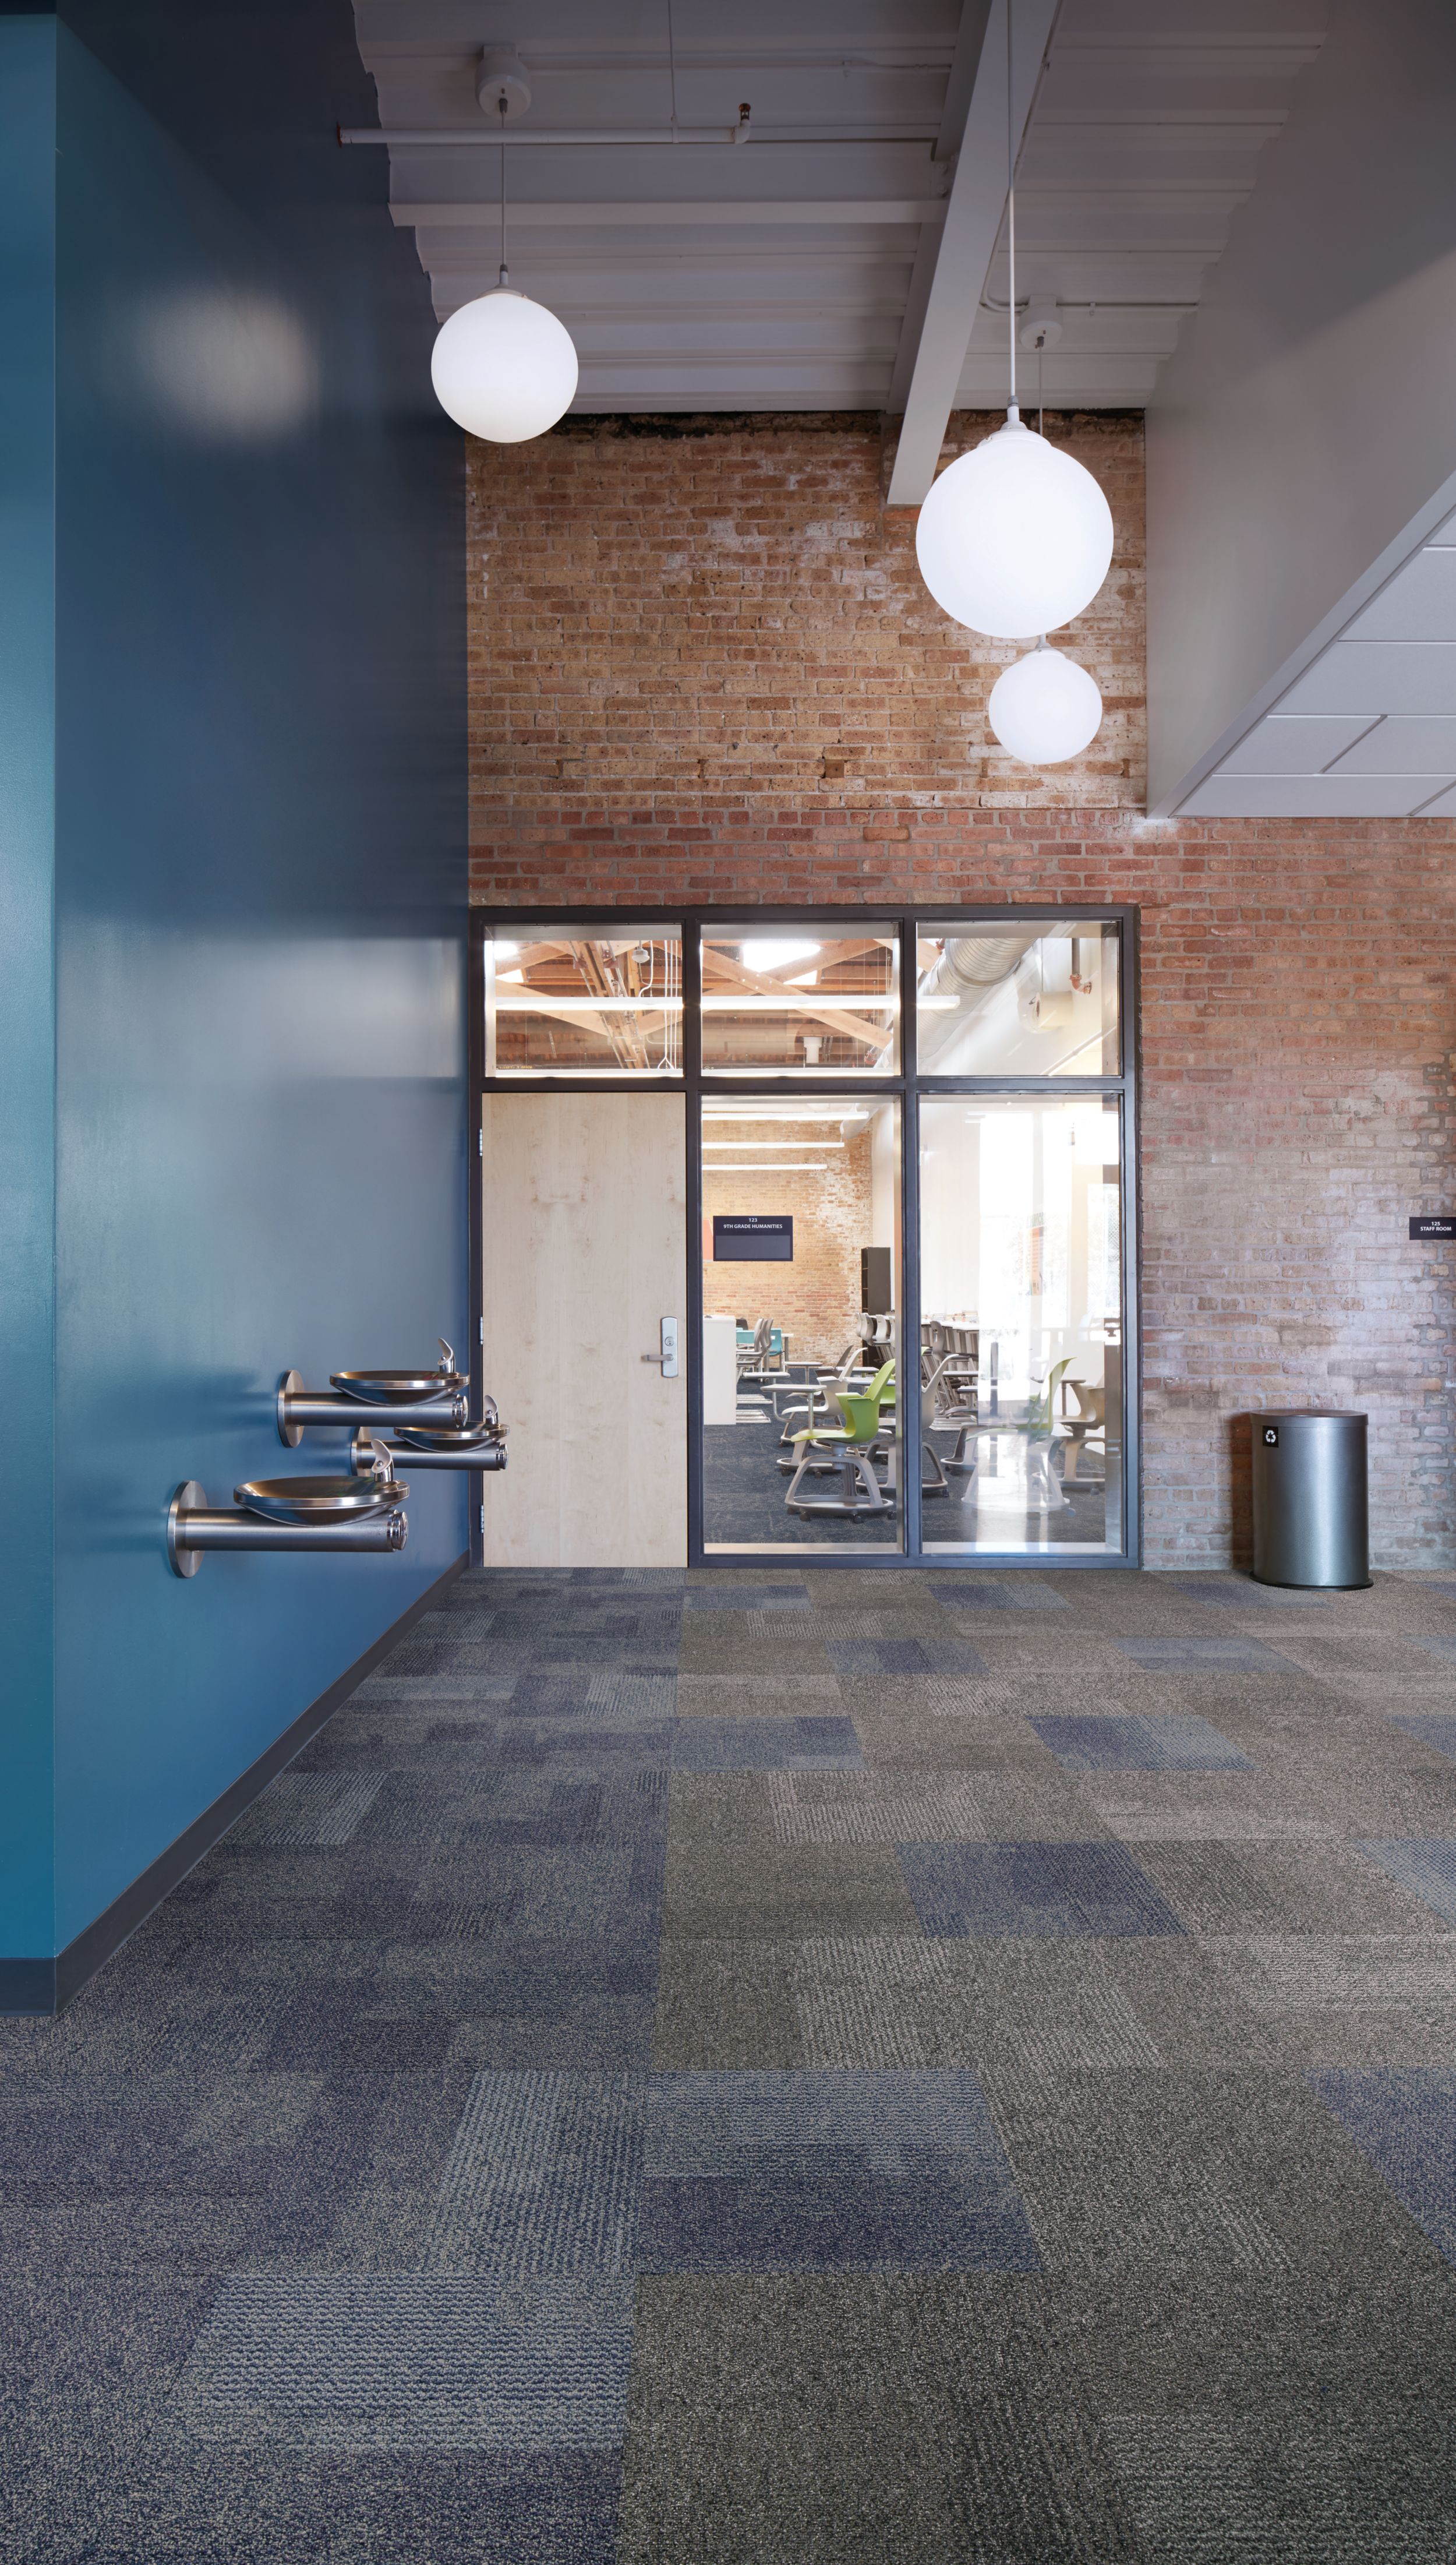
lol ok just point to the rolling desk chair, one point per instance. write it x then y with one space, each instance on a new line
1037 1432
1083 1431
809 1398
758 1351
852 1442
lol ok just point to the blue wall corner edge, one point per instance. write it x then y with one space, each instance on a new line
48 1985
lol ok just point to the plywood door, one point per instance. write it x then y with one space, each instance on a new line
586 1254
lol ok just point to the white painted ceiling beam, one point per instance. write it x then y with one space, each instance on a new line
967 236
678 213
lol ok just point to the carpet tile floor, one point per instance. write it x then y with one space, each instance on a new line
909 2069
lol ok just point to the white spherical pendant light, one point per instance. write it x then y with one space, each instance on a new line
1014 538
1045 708
504 367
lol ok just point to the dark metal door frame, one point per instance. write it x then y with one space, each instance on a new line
907 1086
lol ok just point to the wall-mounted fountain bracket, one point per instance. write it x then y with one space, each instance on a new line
288 1514
299 1408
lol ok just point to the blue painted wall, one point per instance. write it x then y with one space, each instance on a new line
259 883
27 1006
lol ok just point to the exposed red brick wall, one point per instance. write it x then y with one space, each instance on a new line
733 613
670 632
816 1298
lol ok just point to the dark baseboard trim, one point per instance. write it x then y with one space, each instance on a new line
47 1985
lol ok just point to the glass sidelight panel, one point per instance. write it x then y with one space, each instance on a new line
567 1004
1037 1001
786 1002
801 1295
1023 1335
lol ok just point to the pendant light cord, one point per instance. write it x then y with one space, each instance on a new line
504 276
1011 411
673 69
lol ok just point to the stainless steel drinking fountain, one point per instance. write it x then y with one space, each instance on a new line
477 1446
393 1398
361 1512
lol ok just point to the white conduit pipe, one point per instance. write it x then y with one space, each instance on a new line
414 138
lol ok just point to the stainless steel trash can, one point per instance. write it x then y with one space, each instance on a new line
1311 1510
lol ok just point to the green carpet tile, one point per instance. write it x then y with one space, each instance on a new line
939 2068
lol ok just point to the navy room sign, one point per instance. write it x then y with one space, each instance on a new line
752 1238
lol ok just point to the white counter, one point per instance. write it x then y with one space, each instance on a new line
719 1371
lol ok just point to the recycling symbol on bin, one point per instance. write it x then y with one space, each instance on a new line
1271 1435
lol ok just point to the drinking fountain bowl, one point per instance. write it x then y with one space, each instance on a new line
393 1396
398 1388
358 1513
446 1446
449 1437
317 1500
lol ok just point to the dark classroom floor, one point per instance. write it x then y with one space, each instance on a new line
888 2070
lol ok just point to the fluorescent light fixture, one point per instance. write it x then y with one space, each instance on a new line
835 1074
814 1002
771 953
790 1167
531 1002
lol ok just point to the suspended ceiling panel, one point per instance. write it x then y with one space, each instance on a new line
1366 731
789 271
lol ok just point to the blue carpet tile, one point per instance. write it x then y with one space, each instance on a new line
766 1745
558 2176
1109 1742
828 2173
642 2089
1433 1727
404 2361
904 1657
543 2178
1427 1867
1438 1647
1403 2121
1033 1891
1227 1655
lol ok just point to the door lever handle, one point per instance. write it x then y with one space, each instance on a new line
666 1359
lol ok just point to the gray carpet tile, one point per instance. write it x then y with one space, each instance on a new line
780 1890
861 2418
777 2062
1268 1888
728 2005
1337 2488
968 1592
